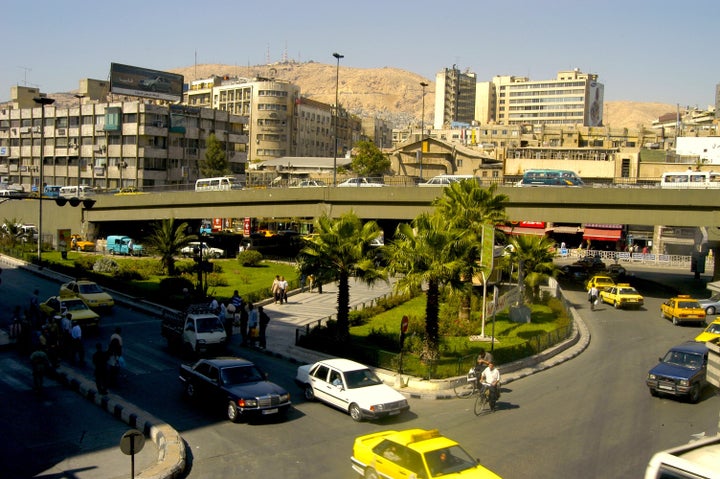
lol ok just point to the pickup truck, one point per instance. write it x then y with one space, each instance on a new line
196 331
123 245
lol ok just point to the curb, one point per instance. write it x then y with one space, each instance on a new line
171 447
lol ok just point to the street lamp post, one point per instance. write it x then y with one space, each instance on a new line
42 101
79 96
422 125
337 90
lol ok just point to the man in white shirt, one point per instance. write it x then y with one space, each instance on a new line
490 377
78 350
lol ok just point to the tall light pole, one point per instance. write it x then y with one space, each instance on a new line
422 126
79 96
42 101
337 92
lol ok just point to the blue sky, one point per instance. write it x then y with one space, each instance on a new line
649 51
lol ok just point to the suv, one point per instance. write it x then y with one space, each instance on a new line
681 372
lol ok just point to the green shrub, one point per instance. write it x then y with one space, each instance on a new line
250 258
175 285
184 266
85 262
216 279
106 265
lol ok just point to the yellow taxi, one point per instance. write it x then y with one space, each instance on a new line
90 292
414 453
682 309
711 332
79 244
601 282
622 295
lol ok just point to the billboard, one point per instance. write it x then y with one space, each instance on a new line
594 104
136 81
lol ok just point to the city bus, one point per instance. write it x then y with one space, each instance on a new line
221 183
690 180
550 178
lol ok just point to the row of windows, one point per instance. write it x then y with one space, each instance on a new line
543 93
564 107
566 99
271 122
271 152
278 93
271 137
535 86
272 107
564 114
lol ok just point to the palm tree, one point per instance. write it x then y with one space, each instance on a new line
11 233
167 239
342 249
422 254
467 207
536 255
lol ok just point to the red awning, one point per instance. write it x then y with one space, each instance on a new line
602 235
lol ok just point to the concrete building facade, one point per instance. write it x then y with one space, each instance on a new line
454 97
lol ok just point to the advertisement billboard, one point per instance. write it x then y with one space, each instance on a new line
136 81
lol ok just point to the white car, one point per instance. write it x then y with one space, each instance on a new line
310 184
359 182
207 251
350 387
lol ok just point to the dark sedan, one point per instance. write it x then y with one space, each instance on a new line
237 384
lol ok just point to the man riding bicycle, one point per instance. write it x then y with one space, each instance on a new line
490 380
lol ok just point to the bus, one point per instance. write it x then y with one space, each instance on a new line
72 191
690 180
221 183
51 191
550 178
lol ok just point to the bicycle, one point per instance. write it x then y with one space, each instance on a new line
465 389
482 403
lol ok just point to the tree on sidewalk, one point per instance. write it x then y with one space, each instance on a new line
167 239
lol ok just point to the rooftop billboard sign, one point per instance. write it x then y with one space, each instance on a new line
136 81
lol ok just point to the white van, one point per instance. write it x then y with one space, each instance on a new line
445 180
222 183
72 191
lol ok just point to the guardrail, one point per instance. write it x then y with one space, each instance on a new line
626 257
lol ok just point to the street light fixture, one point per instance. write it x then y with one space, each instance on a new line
422 125
42 101
79 96
337 91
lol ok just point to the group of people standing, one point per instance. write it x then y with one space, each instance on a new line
253 321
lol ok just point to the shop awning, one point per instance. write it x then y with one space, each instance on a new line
528 231
566 229
602 234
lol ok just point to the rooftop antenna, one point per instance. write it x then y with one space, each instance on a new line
267 55
285 55
195 64
26 69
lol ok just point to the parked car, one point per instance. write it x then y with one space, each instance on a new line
193 249
574 272
360 182
681 372
415 453
616 271
622 296
88 291
683 309
710 333
591 263
711 305
601 282
123 245
78 243
235 384
80 311
351 387
310 184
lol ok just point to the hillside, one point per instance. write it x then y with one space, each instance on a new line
390 93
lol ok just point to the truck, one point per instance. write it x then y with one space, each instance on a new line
195 331
695 460
123 245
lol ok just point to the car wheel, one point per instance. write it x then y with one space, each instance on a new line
710 310
309 393
190 390
355 412
617 304
675 320
232 413
370 473
694 395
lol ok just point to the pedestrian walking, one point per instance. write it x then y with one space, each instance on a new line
66 336
16 324
244 319
283 289
40 367
78 350
264 320
275 289
229 321
100 363
593 297
115 357
252 324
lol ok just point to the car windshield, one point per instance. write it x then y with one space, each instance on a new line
76 305
685 359
448 460
240 375
688 304
628 291
91 288
361 378
713 328
208 325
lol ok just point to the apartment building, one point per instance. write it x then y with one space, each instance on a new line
572 98
112 145
454 97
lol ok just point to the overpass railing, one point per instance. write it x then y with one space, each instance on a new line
650 259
